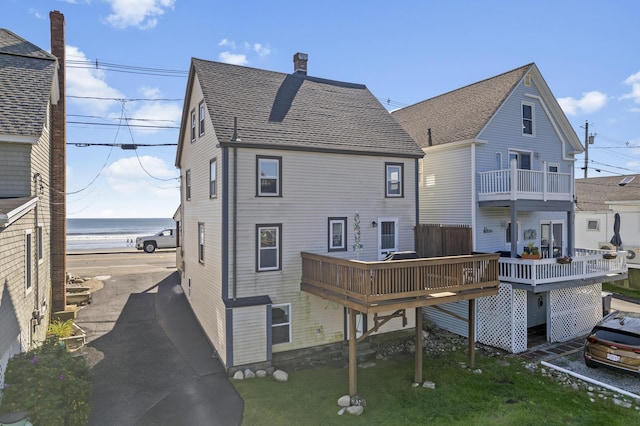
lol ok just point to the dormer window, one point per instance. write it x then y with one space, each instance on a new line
626 180
527 118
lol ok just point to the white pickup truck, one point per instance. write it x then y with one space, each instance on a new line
163 239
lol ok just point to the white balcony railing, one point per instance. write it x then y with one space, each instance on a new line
518 184
586 264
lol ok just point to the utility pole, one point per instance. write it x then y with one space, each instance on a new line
588 140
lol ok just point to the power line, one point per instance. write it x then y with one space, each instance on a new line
144 126
121 145
101 98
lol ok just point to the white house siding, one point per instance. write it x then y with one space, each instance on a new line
205 293
316 186
446 191
249 335
449 322
629 227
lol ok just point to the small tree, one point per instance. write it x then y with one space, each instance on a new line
53 387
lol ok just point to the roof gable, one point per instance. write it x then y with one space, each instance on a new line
27 77
462 114
295 111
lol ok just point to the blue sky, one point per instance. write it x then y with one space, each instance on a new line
404 51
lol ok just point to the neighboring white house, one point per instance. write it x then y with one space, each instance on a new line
499 156
597 201
29 86
273 165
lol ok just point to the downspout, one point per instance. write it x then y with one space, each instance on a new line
234 236
474 194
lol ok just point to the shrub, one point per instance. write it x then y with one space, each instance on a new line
61 328
49 384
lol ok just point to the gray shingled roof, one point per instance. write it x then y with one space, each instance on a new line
460 114
26 79
592 193
296 111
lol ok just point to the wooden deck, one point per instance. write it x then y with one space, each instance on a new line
382 286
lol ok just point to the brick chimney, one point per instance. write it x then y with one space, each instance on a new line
300 63
58 170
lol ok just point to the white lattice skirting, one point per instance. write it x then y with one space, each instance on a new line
574 311
502 319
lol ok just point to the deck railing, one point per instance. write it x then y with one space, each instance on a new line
585 264
516 184
380 281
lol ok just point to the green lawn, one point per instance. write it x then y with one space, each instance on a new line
500 395
629 292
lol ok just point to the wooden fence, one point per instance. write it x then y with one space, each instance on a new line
443 240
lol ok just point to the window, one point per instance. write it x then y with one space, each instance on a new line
527 119
551 239
193 125
508 233
498 161
178 234
269 171
201 118
213 173
28 261
337 234
393 180
200 242
523 159
593 225
281 323
39 244
554 168
268 247
626 180
187 184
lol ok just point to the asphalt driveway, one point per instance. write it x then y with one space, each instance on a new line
154 365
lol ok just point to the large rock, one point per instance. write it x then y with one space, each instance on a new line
239 375
344 401
248 374
261 373
355 410
280 376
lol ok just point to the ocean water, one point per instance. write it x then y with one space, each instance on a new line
88 234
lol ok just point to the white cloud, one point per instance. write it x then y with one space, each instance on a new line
36 13
155 113
233 58
261 49
227 43
633 81
142 14
89 82
590 102
127 176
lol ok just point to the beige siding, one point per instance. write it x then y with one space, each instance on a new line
315 186
205 295
15 164
249 335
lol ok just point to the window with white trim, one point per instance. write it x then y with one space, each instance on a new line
213 173
187 184
528 116
200 242
523 159
393 179
593 224
201 118
508 233
269 174
553 168
281 323
337 237
193 125
268 247
28 261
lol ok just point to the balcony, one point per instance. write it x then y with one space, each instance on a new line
587 264
518 184
381 286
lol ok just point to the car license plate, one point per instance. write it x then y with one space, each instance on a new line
613 357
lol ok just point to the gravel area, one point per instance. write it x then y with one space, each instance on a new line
574 362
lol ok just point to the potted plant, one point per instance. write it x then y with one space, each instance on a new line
564 260
609 255
531 252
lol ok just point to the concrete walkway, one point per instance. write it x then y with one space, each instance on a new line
154 365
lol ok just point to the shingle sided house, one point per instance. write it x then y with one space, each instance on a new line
28 89
273 165
499 157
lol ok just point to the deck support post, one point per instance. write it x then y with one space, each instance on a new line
353 359
418 368
472 333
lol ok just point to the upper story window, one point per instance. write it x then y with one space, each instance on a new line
554 168
337 234
201 118
268 247
523 159
394 180
193 125
200 242
269 176
528 116
187 185
213 173
593 225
